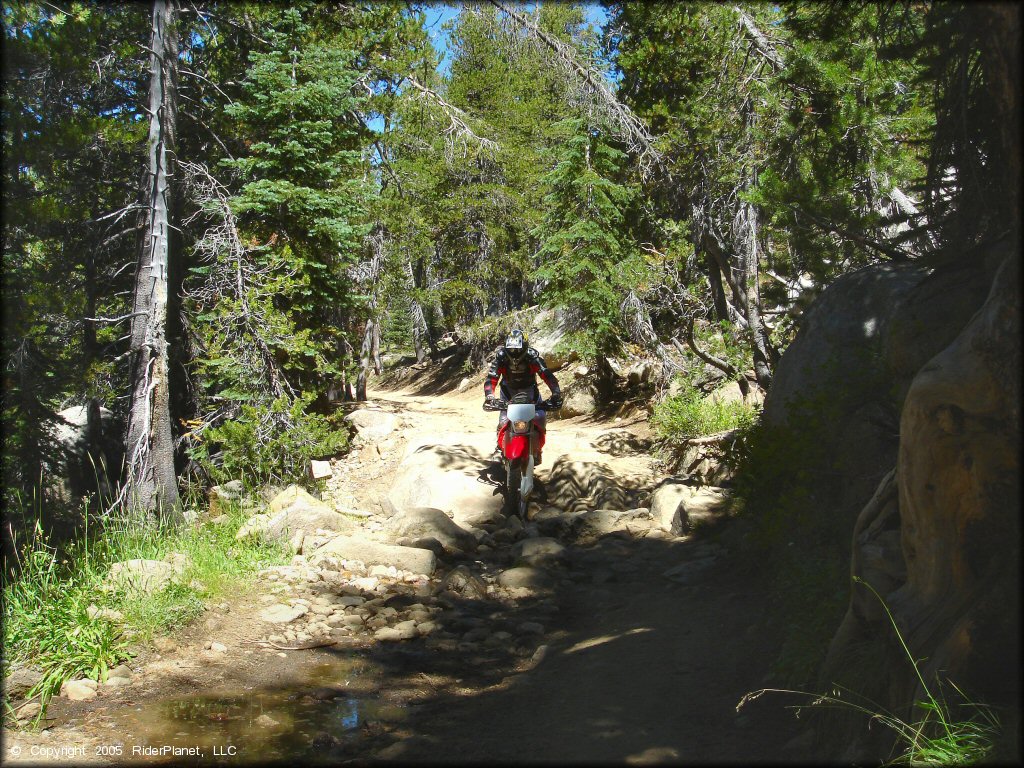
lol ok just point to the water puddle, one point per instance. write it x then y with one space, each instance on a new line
300 720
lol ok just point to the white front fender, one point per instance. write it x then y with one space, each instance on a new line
526 486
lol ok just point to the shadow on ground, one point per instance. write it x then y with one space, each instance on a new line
633 667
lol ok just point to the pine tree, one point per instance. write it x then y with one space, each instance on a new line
587 262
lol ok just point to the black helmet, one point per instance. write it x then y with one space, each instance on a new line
515 344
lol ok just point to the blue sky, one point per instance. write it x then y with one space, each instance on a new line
439 13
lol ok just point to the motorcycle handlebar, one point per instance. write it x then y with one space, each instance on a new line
501 405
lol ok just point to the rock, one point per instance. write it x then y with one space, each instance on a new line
279 613
444 477
524 577
464 582
117 682
140 576
704 504
372 424
108 614
730 392
601 521
538 551
832 393
28 711
78 690
666 501
550 328
218 647
392 634
374 553
219 520
465 384
531 628
121 670
429 542
687 573
222 496
87 456
677 508
950 511
266 721
294 510
428 522
579 401
295 543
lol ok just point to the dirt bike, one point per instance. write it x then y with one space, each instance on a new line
521 439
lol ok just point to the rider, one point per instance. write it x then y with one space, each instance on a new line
517 365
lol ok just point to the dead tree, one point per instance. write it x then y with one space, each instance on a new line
151 482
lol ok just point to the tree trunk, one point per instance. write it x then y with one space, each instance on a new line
418 320
748 263
151 482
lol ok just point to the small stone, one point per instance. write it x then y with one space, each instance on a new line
207 645
266 721
117 682
78 690
28 711
538 655
391 634
404 626
283 614
218 647
531 628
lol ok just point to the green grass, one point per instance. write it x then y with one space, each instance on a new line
691 415
45 607
963 732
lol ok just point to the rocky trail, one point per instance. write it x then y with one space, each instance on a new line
592 633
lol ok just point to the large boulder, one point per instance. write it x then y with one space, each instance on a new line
372 424
678 508
550 331
86 455
456 479
374 553
579 401
294 510
142 576
940 539
833 410
427 522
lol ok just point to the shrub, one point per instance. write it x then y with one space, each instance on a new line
690 415
273 443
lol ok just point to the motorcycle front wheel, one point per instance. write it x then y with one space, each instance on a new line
514 505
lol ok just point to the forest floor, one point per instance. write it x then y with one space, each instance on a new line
613 661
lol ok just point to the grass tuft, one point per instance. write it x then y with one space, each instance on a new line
960 733
46 605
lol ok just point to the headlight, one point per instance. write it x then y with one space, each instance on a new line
520 426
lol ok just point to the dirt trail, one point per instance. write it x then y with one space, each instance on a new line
613 662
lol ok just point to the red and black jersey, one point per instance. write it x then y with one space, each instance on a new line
519 375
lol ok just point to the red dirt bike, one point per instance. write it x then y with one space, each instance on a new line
521 439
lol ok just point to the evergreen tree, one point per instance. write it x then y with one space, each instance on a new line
587 262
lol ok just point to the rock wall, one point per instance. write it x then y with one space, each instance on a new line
940 538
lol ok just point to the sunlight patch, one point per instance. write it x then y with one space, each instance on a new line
584 644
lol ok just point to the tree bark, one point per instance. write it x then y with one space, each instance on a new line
151 482
750 297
